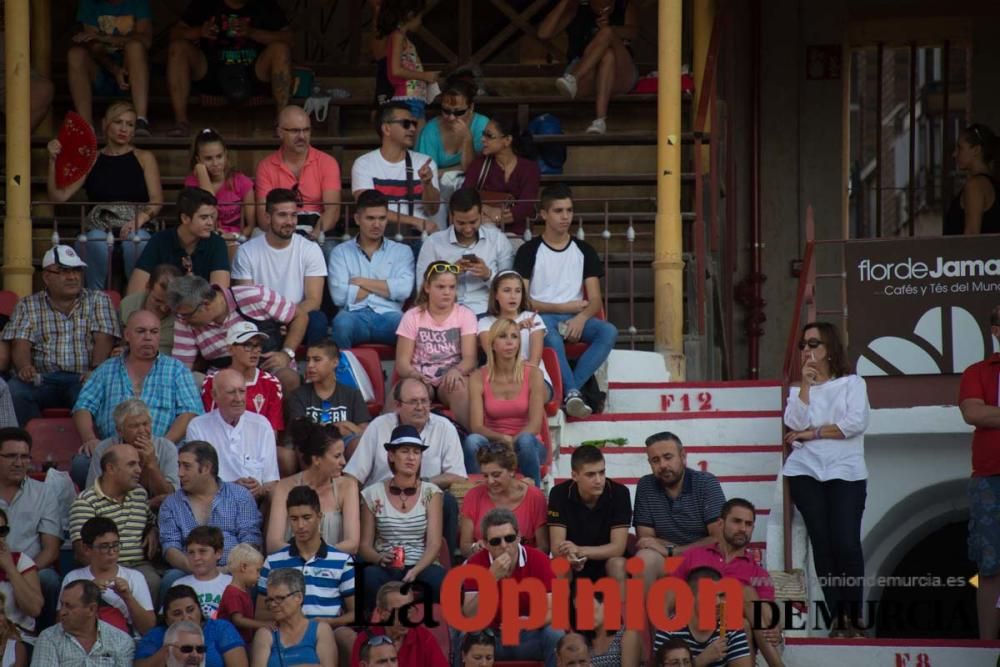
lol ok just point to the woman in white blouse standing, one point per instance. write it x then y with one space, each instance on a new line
827 416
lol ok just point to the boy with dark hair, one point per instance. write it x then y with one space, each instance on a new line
325 401
589 517
371 277
204 546
564 282
191 246
329 573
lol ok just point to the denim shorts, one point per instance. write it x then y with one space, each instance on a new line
984 524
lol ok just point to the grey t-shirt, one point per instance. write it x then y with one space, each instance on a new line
344 404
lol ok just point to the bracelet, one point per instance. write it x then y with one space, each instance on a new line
816 434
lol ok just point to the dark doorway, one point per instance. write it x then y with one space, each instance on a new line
931 597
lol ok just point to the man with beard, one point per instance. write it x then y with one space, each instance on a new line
287 262
312 175
185 644
409 179
729 557
163 384
676 507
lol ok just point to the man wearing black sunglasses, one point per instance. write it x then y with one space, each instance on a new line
185 644
409 179
506 557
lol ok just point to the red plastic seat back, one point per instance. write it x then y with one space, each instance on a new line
8 300
54 439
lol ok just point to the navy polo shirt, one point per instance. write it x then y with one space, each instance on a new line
588 527
165 248
684 519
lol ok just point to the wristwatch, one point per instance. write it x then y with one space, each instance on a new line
290 352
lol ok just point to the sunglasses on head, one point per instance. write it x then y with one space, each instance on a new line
812 343
495 541
191 648
399 491
378 640
405 123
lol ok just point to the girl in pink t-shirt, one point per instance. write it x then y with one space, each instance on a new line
211 171
437 340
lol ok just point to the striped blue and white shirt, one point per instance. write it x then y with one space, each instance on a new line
736 644
329 578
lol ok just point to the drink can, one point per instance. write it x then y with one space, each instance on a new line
398 557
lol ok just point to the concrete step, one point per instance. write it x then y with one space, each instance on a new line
693 397
720 460
803 652
751 427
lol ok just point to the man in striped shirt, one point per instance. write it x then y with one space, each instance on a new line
205 313
329 573
117 495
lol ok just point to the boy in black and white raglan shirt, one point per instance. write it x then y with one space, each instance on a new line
564 283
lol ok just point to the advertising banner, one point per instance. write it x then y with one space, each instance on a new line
921 306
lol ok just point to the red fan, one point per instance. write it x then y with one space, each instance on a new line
79 150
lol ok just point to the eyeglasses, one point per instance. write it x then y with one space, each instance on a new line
297 130
4 531
495 541
275 600
417 402
184 317
455 113
378 640
490 136
398 491
190 648
678 662
812 343
443 267
108 547
405 123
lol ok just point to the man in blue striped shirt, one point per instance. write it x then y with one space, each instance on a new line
329 573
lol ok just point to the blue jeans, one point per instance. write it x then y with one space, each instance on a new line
532 645
529 449
78 469
51 584
375 577
317 327
168 580
598 334
59 389
365 326
95 253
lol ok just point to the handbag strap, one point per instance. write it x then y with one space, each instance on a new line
484 171
240 312
409 183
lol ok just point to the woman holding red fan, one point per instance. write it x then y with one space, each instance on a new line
123 182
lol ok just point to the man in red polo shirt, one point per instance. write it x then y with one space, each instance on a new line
310 173
729 557
977 398
505 556
415 646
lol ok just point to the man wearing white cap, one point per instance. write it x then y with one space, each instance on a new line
243 440
59 335
264 394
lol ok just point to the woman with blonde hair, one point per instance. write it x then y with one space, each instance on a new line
507 402
124 182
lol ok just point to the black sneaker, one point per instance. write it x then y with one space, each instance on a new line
142 128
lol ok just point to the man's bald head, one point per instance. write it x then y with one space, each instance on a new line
294 128
229 389
142 335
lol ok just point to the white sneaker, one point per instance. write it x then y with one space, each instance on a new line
599 126
566 84
576 406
